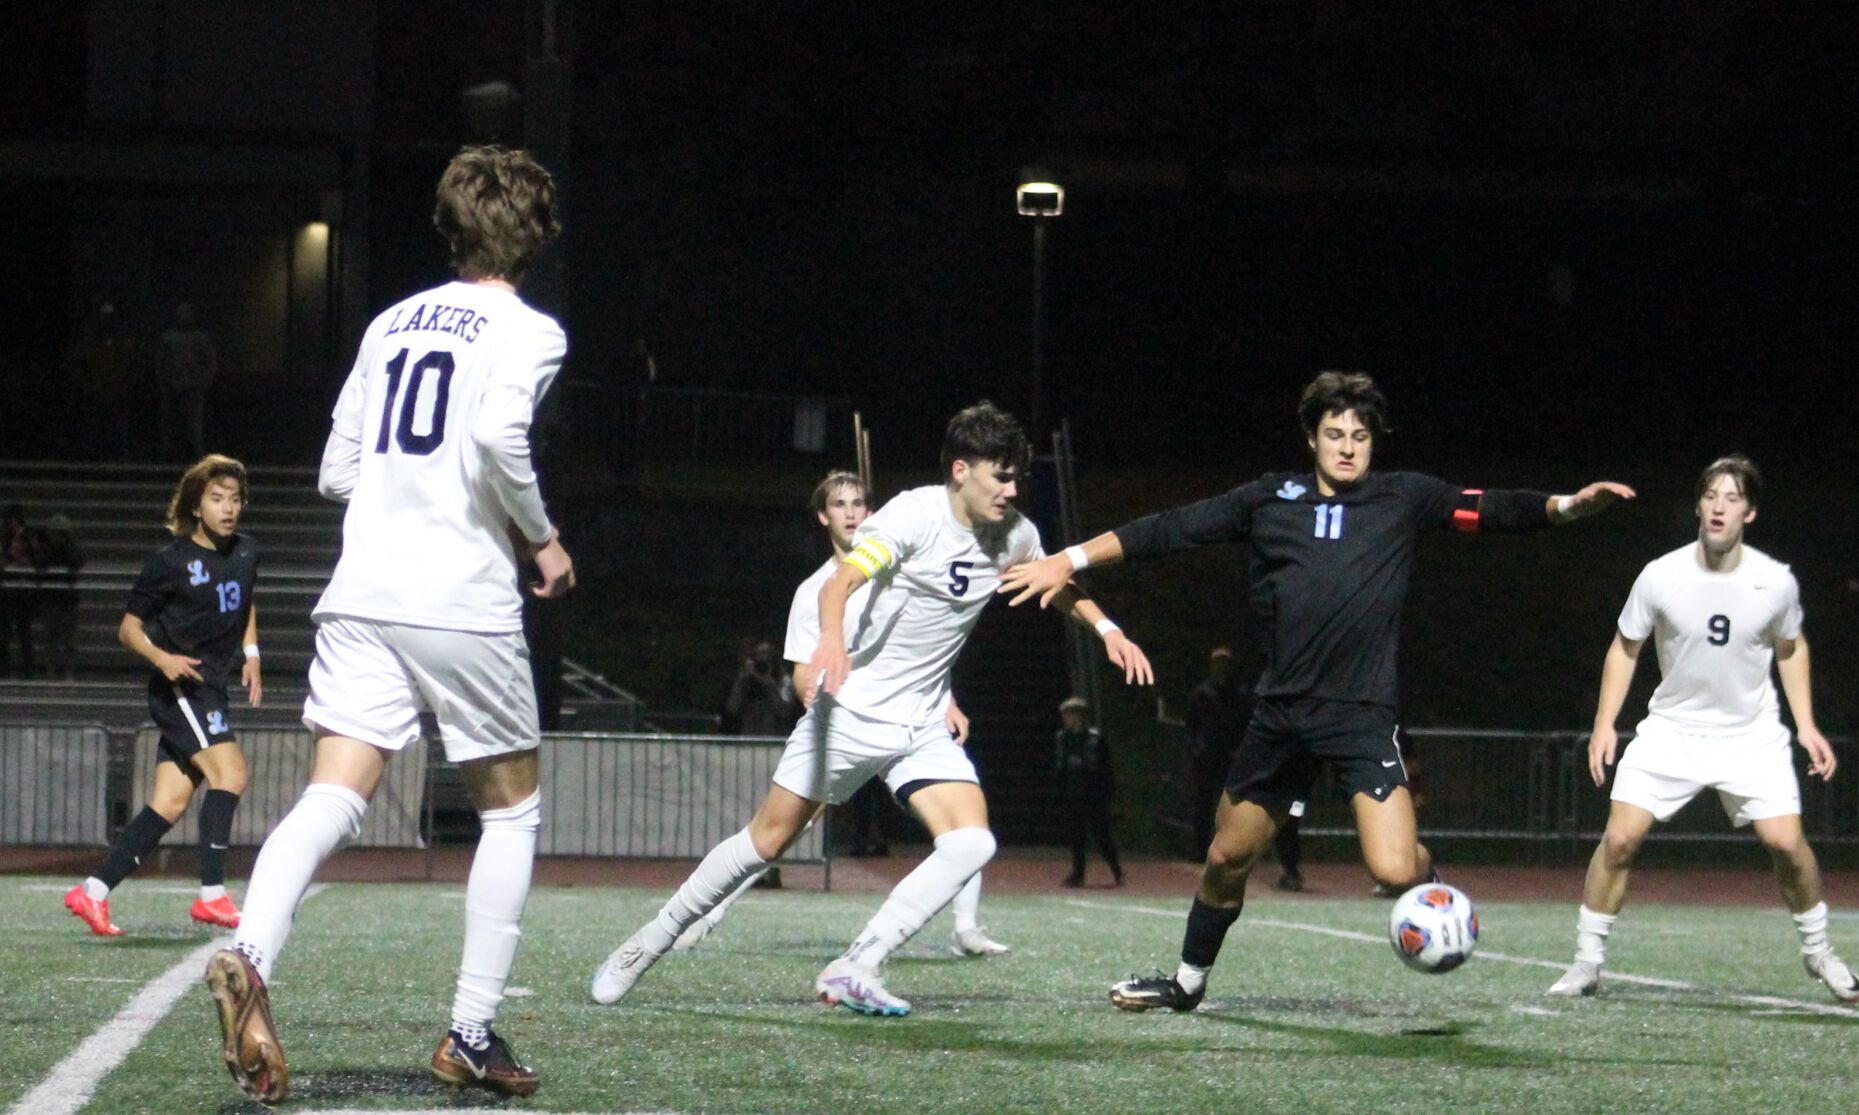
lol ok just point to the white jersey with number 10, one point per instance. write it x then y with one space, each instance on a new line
430 447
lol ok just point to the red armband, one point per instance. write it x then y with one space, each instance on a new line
1465 515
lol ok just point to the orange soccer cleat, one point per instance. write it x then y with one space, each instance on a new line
94 912
220 912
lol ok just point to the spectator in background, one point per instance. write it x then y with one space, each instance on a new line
1086 786
103 370
1218 709
19 556
186 362
757 704
60 558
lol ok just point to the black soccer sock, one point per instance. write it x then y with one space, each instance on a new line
215 833
1207 926
137 839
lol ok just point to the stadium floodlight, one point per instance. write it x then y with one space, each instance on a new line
1038 197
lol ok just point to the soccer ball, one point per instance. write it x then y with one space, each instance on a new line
1433 928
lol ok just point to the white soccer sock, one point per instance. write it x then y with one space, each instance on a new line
324 818
96 889
967 904
212 894
721 872
959 854
715 917
1812 926
1591 930
1191 978
494 899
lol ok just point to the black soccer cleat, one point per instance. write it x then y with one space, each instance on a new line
1152 992
494 1067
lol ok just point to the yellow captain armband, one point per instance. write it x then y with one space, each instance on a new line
871 557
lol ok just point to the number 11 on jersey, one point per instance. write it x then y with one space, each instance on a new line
1329 521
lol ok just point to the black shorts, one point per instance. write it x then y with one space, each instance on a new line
192 716
1287 738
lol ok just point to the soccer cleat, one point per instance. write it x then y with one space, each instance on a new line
249 1042
1290 882
620 970
220 912
856 987
1582 978
493 1068
1151 992
976 942
94 912
693 934
1832 971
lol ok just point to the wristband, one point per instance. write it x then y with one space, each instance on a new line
1106 625
1563 503
251 650
1077 556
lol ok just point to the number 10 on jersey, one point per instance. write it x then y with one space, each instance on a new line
419 445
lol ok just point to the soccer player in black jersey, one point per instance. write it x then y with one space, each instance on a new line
1329 554
191 617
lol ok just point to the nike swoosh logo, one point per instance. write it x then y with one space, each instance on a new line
477 1070
1389 762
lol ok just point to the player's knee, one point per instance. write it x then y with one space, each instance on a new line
1788 846
968 848
170 806
1618 849
1394 871
342 804
232 779
524 816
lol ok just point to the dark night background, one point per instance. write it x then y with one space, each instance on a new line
1571 241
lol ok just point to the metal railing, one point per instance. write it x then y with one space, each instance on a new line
623 795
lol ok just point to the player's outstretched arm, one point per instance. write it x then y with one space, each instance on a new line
1122 653
1592 500
830 664
250 675
1623 657
1048 575
1791 663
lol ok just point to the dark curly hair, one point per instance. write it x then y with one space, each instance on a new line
985 432
1336 392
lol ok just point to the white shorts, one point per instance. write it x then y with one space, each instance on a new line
833 751
370 681
1753 773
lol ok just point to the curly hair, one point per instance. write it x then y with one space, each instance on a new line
182 520
1336 392
496 208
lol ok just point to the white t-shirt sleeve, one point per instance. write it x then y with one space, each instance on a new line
335 478
1636 619
1027 545
897 531
803 622
522 376
1788 617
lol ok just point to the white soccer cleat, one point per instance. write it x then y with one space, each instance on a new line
617 974
693 934
856 987
1832 971
1581 979
976 942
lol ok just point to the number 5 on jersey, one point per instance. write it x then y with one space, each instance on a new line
419 445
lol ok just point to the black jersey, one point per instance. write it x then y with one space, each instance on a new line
195 600
1328 574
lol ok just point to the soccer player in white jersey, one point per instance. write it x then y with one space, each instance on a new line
933 556
841 503
1721 613
430 449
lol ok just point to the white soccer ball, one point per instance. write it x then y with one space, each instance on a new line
1433 928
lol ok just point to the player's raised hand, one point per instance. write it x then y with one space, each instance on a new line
1596 497
957 721
1820 758
253 679
1601 747
1126 654
557 570
174 667
830 664
1044 578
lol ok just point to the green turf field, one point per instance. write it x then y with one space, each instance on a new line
1297 1019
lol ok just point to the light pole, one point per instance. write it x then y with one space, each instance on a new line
1040 198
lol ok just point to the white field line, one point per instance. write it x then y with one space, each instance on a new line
1500 957
139 888
73 1080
